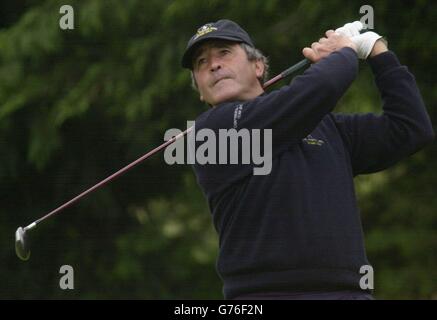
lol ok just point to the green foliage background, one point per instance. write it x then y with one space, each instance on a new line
76 105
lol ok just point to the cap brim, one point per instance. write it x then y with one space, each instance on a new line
187 57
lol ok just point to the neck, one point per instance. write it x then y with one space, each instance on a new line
245 97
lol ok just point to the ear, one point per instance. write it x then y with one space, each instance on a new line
259 68
201 98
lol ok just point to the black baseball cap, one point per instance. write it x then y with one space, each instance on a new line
222 29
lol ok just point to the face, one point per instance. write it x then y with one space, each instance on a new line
223 73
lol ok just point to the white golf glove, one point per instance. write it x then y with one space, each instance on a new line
350 29
364 41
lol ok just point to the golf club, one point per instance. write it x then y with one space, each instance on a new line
22 247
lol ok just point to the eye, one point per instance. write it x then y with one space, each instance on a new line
224 51
200 61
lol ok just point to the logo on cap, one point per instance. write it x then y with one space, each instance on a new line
207 28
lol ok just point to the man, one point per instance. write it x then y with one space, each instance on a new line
296 232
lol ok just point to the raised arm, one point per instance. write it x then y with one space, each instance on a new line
377 141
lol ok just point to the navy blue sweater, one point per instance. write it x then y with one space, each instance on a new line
298 228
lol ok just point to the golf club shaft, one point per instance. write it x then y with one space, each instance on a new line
280 76
287 72
108 179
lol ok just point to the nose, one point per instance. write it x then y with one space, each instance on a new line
215 64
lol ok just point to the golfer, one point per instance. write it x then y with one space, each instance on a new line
296 233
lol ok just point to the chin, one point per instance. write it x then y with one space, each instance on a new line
231 95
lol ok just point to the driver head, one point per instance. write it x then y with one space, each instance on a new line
21 246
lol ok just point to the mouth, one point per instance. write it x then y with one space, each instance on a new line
218 80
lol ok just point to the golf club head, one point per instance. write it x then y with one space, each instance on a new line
21 246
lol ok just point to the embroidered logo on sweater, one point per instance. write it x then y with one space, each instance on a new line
313 141
237 115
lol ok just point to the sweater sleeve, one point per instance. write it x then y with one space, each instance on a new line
377 141
293 111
